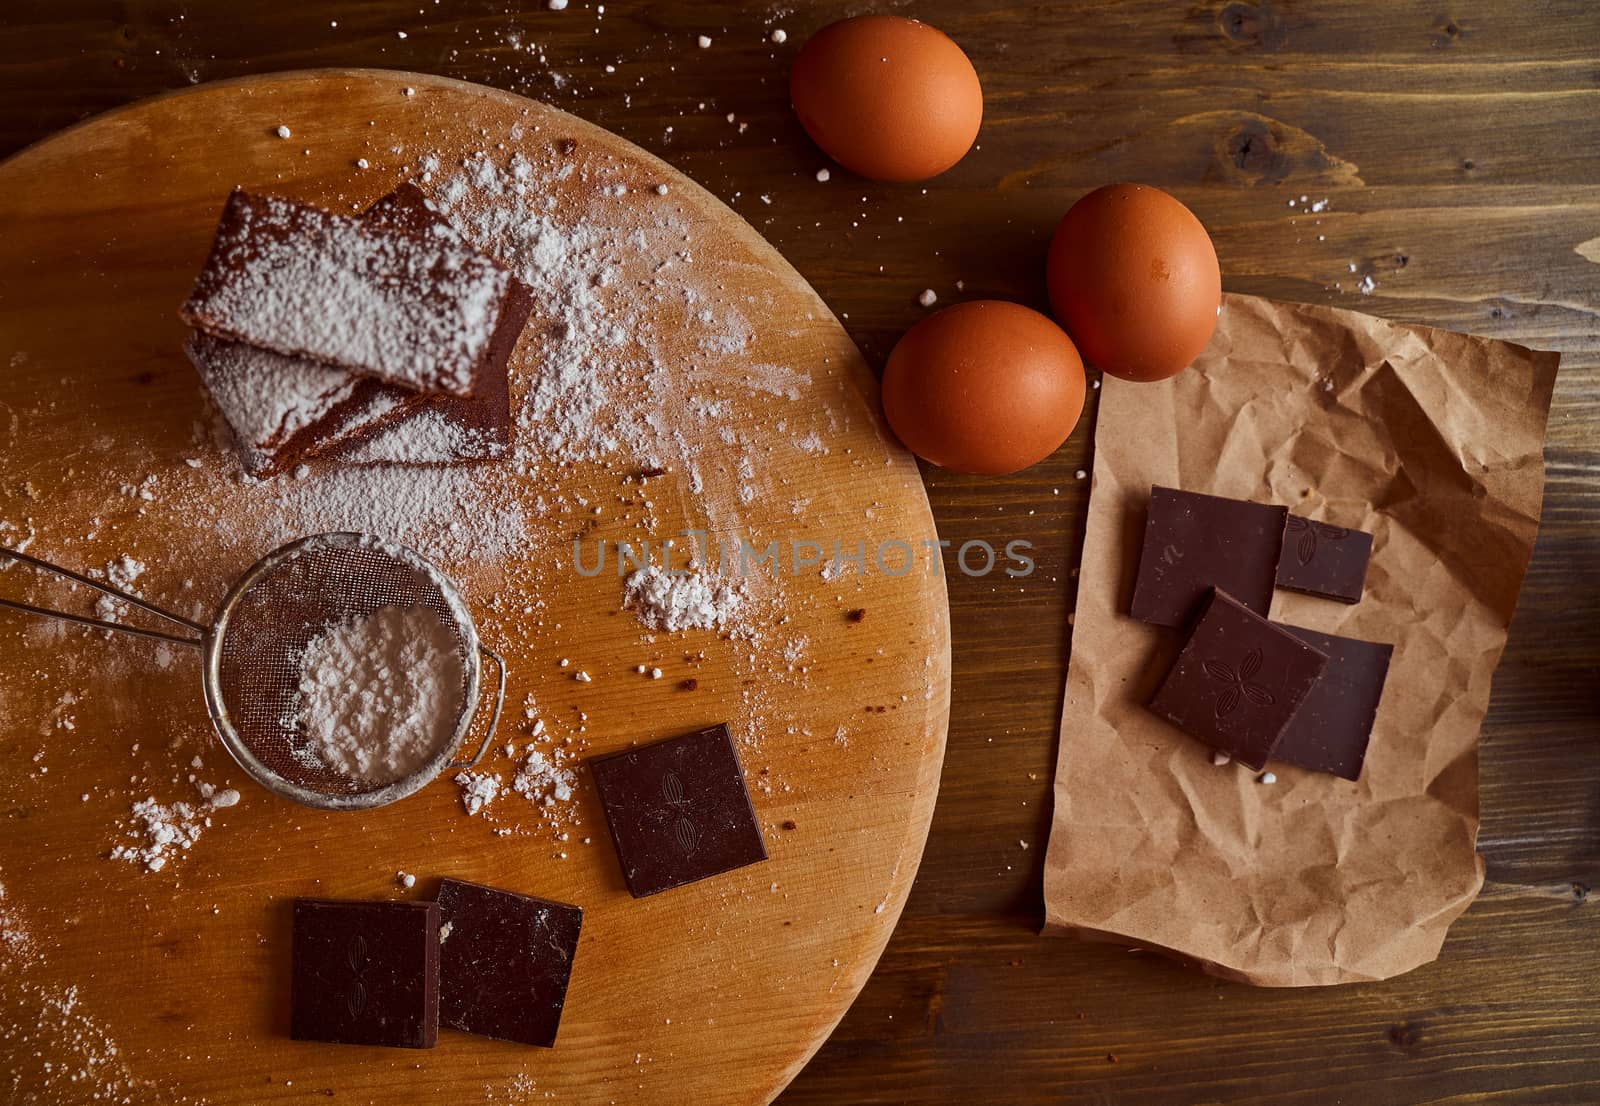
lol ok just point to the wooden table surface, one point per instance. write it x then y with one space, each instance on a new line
1456 146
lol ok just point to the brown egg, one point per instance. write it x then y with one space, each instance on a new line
1134 279
889 98
986 387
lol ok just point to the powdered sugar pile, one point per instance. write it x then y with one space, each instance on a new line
164 831
17 537
545 777
478 790
675 601
120 574
379 694
542 779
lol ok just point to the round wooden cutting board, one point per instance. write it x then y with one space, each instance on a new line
677 375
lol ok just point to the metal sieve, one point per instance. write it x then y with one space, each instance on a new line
252 651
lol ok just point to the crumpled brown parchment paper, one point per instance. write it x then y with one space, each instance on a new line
1434 442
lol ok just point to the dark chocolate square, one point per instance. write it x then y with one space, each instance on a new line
504 961
366 973
1238 681
678 810
1331 730
1324 560
1194 542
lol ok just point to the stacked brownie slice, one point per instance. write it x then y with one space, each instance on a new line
378 339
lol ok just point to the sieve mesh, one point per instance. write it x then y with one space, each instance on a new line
266 623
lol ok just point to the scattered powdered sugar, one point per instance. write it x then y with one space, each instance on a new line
54 1050
63 716
163 831
834 569
676 600
568 266
602 382
521 1087
60 1053
15 940
542 779
478 790
121 574
811 443
15 537
447 510
378 694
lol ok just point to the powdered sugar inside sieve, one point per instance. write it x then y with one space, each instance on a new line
345 669
378 694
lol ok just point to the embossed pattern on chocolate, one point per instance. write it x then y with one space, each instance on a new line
1321 559
365 973
678 810
1238 681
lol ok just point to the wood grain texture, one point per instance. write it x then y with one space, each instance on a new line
1455 144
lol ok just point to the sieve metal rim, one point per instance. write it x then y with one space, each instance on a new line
239 749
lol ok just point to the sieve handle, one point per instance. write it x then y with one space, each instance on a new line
107 589
494 714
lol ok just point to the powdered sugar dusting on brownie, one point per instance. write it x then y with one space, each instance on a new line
265 397
306 282
381 407
425 437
